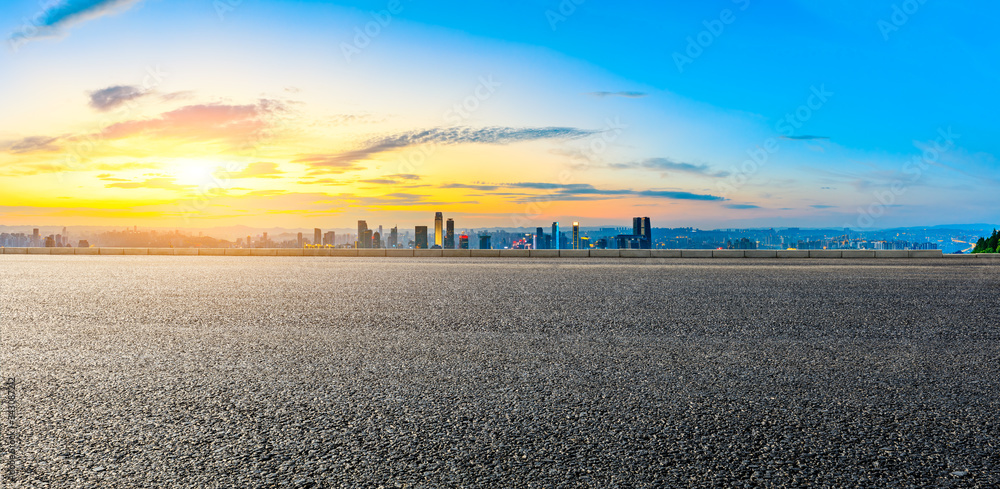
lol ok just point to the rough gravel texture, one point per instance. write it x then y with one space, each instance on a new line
300 372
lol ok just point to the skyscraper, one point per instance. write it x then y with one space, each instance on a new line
317 237
643 232
376 240
438 229
420 239
393 237
540 239
463 242
362 227
576 235
449 236
366 239
647 232
555 236
299 240
330 238
484 242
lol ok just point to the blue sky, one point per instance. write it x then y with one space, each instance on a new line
718 113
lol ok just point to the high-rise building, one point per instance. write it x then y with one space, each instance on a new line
438 229
249 243
576 235
317 236
329 239
540 239
449 236
366 239
300 240
555 236
463 242
393 238
420 240
647 232
377 240
362 227
266 243
484 242
640 227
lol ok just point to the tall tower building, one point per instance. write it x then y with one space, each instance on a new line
540 239
555 236
647 232
362 227
393 237
484 242
438 229
420 237
576 235
317 237
299 240
463 242
377 240
449 236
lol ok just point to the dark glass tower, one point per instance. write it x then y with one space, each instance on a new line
420 241
449 235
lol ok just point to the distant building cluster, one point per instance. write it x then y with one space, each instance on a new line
444 234
34 240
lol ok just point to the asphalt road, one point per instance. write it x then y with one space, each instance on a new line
300 372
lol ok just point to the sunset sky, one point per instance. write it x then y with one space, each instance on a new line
723 113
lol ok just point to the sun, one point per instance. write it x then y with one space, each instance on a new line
193 172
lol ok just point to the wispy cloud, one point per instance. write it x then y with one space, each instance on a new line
668 165
260 169
109 98
581 191
59 15
202 122
319 164
618 94
822 206
741 206
34 144
453 136
161 183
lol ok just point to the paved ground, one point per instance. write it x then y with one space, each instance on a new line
260 372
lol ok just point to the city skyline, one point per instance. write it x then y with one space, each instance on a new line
682 113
